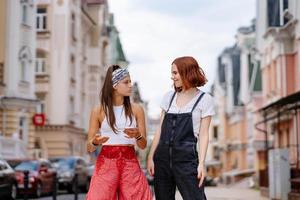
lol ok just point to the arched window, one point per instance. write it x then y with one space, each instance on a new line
25 58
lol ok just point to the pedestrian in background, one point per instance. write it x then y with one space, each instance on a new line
174 159
117 125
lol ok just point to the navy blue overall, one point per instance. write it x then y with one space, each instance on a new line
176 158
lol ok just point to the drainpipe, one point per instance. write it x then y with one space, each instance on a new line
297 136
266 140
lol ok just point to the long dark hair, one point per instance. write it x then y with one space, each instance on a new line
106 99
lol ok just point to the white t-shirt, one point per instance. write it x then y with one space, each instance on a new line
204 108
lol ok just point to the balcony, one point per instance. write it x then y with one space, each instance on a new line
12 148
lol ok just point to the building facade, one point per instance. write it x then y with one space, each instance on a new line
17 56
71 57
238 92
278 34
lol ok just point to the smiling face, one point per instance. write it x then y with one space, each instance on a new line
177 81
124 87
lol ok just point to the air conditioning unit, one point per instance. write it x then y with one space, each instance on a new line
279 174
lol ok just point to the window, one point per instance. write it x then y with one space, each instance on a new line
24 14
275 12
73 26
24 71
23 129
73 70
215 132
41 19
40 66
41 108
72 105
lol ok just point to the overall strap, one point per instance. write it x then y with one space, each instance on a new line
198 100
171 101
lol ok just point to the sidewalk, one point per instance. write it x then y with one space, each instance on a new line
224 193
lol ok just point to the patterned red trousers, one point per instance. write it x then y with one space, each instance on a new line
118 174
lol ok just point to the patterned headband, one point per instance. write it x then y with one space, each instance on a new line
118 75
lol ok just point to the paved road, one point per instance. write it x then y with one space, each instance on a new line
61 197
212 193
226 193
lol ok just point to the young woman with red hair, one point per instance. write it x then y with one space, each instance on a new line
117 125
174 159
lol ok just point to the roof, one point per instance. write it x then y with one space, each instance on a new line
121 55
293 98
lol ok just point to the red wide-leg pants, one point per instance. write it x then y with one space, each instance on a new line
118 174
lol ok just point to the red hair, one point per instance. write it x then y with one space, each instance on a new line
190 72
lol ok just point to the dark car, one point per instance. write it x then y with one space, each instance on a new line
41 177
8 184
67 168
90 170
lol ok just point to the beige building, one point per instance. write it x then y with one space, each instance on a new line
278 36
237 91
72 51
17 56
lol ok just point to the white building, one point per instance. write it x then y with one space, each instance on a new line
17 59
71 55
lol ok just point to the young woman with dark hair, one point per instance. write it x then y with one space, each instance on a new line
117 125
174 159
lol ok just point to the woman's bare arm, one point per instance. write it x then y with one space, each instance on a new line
150 164
203 144
94 139
141 125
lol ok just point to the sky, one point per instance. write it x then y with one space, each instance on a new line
153 33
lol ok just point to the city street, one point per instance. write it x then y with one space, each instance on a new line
92 92
63 197
212 193
224 193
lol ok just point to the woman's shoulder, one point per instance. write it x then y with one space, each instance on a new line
208 97
168 95
98 111
206 100
137 107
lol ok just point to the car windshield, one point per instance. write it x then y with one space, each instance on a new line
27 165
66 163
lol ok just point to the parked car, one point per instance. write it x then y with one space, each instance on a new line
67 168
8 183
41 177
14 162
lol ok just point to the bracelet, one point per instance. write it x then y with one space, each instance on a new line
139 137
92 143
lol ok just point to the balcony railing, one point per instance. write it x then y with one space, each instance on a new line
12 148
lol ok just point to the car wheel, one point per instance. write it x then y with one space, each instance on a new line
38 192
13 193
87 185
72 187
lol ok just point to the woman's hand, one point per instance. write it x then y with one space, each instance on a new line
132 132
150 166
201 173
98 139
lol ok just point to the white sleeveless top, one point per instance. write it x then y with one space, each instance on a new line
121 122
